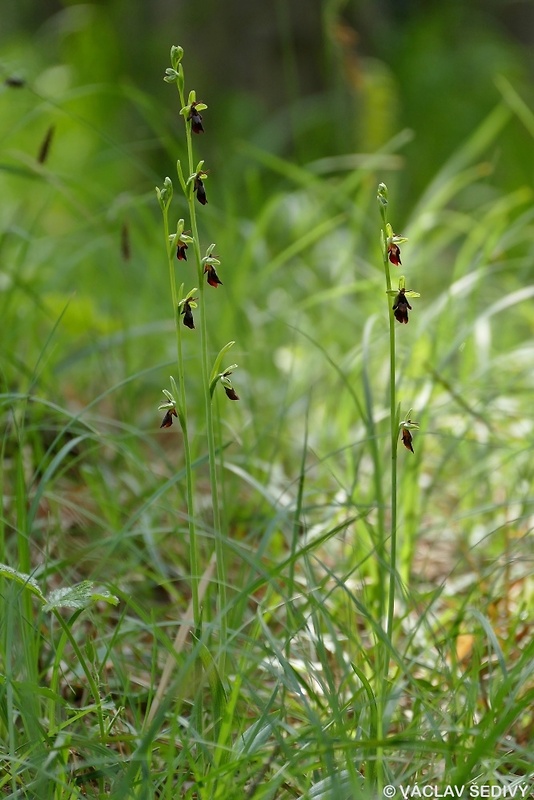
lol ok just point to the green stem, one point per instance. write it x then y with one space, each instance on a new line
393 416
383 657
182 416
210 432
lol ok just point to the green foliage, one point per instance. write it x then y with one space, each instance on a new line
312 697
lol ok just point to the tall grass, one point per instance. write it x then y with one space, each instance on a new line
317 698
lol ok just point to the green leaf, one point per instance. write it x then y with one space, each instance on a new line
25 580
181 176
103 595
217 363
79 596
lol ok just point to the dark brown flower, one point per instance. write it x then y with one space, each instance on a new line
167 419
231 393
196 119
181 247
394 254
401 306
407 439
188 315
213 278
198 187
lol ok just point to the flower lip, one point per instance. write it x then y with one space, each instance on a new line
167 419
187 312
401 306
407 439
213 278
181 247
394 254
195 117
198 188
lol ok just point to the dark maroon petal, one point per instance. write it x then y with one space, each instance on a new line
196 119
394 254
201 192
167 419
196 123
401 306
401 313
188 316
407 439
181 255
213 278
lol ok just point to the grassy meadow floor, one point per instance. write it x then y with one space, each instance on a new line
292 687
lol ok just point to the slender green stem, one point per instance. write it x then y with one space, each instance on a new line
210 432
182 416
393 416
383 657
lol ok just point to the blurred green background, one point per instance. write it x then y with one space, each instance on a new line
304 81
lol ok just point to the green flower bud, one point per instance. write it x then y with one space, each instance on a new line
177 53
